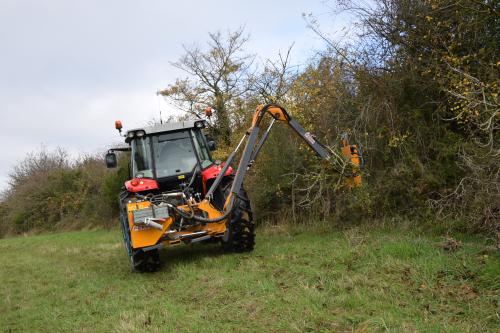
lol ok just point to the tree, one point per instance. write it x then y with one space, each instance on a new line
219 76
272 82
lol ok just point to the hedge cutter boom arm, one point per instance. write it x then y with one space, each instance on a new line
280 114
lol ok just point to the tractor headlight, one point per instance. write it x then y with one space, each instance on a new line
205 123
130 134
199 124
140 133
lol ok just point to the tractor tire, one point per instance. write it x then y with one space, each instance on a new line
239 236
145 262
140 261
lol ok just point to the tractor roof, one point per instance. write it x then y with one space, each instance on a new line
157 128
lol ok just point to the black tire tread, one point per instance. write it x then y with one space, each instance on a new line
240 224
140 261
145 262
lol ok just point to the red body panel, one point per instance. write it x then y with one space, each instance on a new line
213 172
147 184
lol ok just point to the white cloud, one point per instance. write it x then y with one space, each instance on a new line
69 69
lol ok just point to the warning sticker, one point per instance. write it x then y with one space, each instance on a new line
140 227
309 137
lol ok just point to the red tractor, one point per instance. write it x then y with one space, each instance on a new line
180 194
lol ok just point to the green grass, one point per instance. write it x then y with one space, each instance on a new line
314 281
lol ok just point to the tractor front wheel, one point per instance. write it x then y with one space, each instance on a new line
239 236
140 261
145 262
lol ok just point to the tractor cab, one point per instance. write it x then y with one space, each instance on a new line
165 156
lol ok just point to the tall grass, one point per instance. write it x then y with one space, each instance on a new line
316 279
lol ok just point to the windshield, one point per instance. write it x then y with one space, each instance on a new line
174 154
141 157
205 157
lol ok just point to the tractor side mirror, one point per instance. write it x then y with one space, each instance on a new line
111 160
212 143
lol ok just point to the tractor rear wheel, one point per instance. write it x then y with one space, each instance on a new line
239 236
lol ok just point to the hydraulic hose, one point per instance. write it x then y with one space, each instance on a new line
361 158
189 205
192 179
207 220
191 216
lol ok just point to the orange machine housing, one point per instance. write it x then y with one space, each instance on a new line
142 236
346 151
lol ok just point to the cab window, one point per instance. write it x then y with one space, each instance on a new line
141 157
203 152
174 154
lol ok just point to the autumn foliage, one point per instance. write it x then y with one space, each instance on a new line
415 84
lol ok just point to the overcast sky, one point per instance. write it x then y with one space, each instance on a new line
69 69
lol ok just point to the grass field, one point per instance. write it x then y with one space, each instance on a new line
309 281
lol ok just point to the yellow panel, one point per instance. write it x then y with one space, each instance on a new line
147 237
